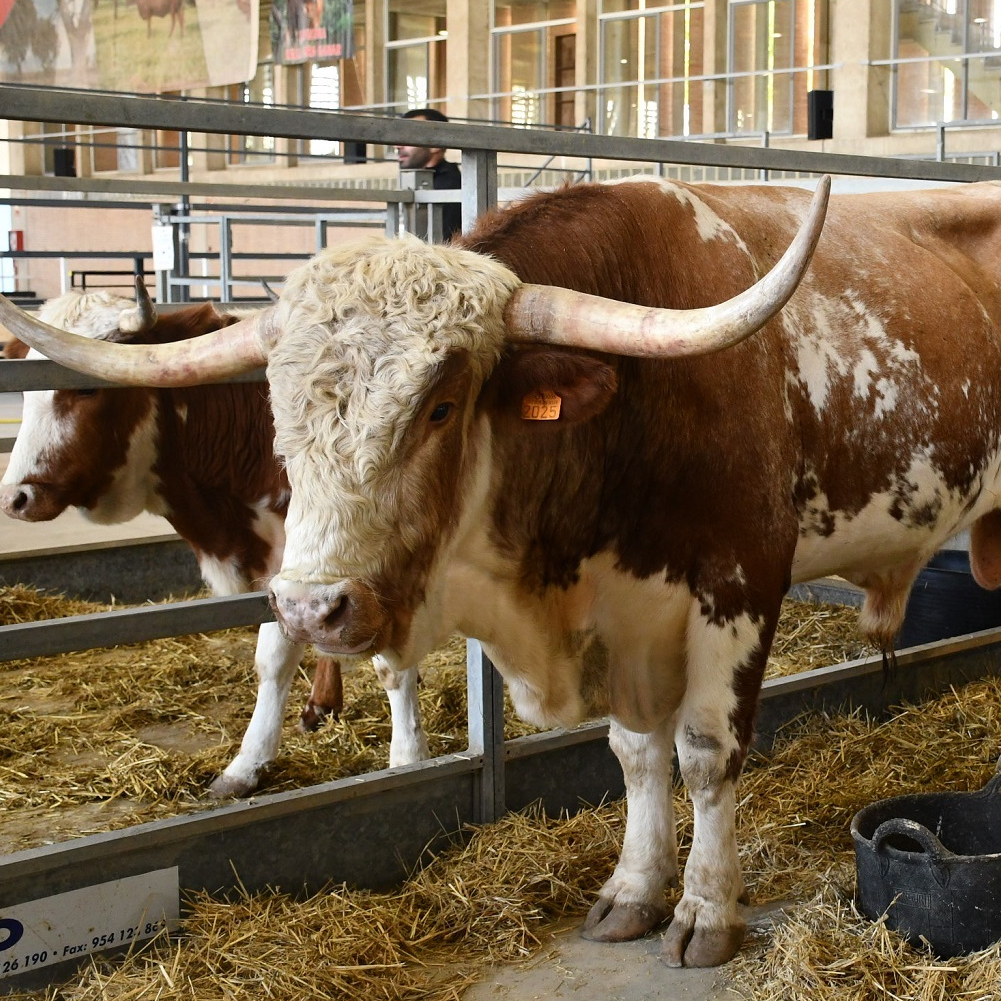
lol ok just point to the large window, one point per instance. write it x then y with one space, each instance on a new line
948 62
534 61
651 59
325 93
777 53
415 53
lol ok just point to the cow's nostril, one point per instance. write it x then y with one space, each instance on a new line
20 500
338 609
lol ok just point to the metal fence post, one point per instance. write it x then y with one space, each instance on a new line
225 259
486 729
479 184
393 219
416 217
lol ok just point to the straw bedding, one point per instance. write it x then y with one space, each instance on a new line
498 896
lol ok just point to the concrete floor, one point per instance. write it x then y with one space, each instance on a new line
572 968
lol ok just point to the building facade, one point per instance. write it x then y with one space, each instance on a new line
901 77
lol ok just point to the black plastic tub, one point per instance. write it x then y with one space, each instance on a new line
932 863
946 601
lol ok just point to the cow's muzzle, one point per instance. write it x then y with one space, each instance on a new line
29 502
343 618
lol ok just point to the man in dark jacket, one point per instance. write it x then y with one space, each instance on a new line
446 174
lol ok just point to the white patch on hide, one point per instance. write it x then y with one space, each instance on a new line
91 314
222 577
874 537
838 340
39 431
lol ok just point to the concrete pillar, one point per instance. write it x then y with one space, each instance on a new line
291 88
207 151
26 158
586 99
860 31
467 70
375 52
714 50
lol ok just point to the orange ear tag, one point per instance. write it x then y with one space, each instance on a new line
541 406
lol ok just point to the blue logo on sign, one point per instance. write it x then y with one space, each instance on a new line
14 930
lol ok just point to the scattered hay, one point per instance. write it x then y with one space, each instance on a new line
815 635
827 951
104 739
497 897
490 900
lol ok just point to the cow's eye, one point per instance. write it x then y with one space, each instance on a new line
440 412
86 392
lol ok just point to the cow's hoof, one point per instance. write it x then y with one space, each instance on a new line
685 946
226 786
313 717
611 922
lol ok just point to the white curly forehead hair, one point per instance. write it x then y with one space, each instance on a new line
93 314
364 326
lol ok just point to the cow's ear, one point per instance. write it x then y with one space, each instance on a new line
552 387
15 349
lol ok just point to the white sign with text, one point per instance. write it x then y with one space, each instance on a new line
65 926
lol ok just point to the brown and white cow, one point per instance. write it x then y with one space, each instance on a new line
629 554
204 460
174 9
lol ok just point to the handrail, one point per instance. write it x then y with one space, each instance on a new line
37 105
586 127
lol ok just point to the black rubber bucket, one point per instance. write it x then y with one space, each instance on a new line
946 601
932 863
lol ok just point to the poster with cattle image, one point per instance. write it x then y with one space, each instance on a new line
135 46
311 30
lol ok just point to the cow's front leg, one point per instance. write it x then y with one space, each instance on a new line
632 902
409 743
714 724
276 661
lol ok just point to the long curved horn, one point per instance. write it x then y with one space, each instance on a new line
215 356
551 315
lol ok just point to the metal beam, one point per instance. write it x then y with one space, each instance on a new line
24 374
122 186
84 108
131 625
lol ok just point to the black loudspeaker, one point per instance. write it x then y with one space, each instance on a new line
64 162
820 114
355 153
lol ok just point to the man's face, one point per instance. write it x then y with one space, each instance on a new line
414 157
418 157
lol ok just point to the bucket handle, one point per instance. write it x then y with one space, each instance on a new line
937 853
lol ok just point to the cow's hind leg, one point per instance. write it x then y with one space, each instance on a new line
632 902
714 724
326 697
276 661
